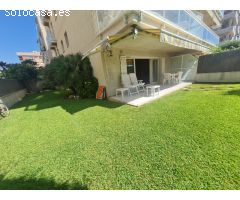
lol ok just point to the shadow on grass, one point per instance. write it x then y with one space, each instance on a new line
233 92
37 184
52 99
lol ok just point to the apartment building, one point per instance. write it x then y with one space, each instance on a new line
148 43
34 56
230 27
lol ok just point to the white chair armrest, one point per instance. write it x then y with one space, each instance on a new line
132 86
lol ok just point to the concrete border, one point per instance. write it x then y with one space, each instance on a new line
13 98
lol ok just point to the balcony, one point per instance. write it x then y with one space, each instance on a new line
52 42
220 13
230 29
188 22
45 20
182 19
233 16
229 15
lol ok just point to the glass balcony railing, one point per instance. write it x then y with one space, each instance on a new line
188 23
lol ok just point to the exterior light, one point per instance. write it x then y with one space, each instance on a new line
135 32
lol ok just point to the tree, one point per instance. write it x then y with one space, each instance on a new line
3 69
72 72
26 72
23 72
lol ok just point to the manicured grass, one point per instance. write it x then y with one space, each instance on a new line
187 140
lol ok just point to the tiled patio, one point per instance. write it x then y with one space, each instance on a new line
142 98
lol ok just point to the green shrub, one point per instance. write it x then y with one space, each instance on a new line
227 46
26 72
71 72
21 72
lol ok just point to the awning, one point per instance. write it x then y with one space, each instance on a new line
179 41
165 37
162 35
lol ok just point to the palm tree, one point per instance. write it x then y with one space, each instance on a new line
3 68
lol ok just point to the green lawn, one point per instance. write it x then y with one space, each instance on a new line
187 140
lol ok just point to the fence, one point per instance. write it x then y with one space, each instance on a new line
220 67
220 62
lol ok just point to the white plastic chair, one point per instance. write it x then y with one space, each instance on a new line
179 76
139 83
126 82
167 77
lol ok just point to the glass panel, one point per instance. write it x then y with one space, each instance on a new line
184 21
172 15
196 29
188 23
130 66
186 63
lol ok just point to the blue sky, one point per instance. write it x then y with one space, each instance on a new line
16 34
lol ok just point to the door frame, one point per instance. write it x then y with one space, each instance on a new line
149 68
151 71
161 65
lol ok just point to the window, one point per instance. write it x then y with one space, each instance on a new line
130 66
66 39
63 50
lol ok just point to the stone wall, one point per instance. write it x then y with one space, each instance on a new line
10 99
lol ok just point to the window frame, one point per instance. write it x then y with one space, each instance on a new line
133 65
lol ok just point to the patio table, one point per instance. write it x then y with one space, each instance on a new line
122 90
152 89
